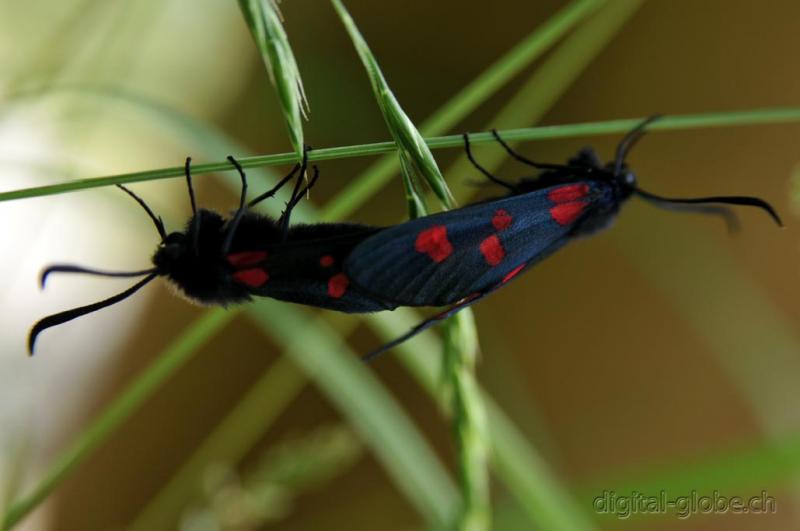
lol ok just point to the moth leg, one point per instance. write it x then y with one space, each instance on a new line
237 217
424 325
187 168
523 159
159 223
489 175
195 218
297 194
293 202
274 190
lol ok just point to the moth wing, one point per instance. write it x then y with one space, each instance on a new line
440 259
307 268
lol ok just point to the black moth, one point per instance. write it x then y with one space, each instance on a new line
218 260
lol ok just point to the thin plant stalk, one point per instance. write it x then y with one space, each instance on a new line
460 353
767 116
266 26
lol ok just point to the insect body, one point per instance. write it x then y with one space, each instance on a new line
450 259
217 260
458 257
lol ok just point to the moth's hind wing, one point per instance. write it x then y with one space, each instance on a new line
307 268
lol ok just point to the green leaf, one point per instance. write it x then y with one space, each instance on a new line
266 25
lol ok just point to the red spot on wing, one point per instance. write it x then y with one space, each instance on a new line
567 213
492 250
511 274
567 193
246 258
337 285
255 278
326 261
501 220
434 243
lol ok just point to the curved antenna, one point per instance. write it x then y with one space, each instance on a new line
69 315
67 268
628 141
728 216
724 199
156 220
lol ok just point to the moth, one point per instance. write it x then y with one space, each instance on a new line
458 257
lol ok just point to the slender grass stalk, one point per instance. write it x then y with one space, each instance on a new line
266 25
469 421
416 160
406 136
238 432
416 203
775 115
119 410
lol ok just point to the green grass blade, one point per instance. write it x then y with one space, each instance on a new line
238 432
463 103
266 26
416 203
469 421
473 438
356 391
174 357
678 122
404 132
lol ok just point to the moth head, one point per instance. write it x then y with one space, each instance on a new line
169 252
198 242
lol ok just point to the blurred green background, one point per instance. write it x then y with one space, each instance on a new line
663 353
